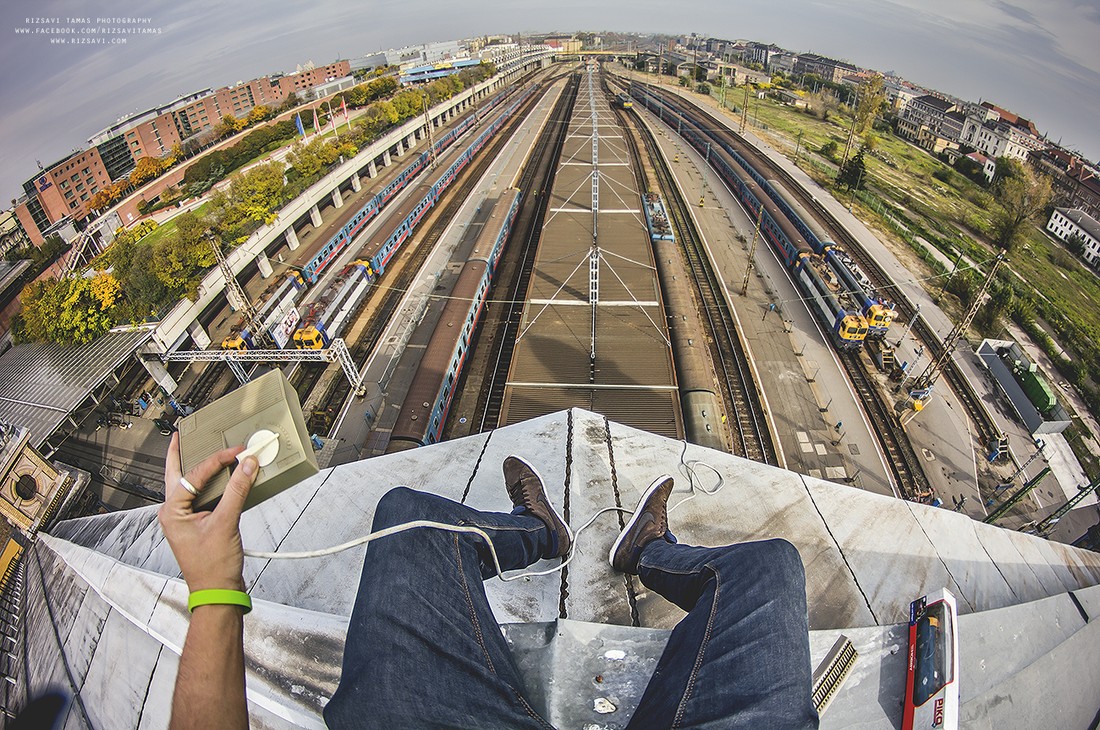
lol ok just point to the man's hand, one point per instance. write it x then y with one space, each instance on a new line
207 545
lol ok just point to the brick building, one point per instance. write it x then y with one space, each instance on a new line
62 190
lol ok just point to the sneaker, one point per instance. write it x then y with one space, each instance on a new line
528 495
648 523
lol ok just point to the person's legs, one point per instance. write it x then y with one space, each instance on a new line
741 657
423 647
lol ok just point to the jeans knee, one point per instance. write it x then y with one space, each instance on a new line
783 557
398 505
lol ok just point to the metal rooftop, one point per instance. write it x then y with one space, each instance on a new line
42 383
105 611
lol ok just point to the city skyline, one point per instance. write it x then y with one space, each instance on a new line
1036 61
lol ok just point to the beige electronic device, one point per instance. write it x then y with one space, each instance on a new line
265 416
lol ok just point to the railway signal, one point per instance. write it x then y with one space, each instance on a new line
235 291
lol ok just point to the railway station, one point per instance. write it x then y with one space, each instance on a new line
593 331
615 280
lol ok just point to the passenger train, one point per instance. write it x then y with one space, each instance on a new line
286 296
424 411
326 320
841 279
812 273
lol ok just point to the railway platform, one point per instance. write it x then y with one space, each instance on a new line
941 434
805 389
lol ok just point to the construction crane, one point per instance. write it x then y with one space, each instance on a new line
337 351
932 373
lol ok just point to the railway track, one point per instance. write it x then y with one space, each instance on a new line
987 429
538 176
905 469
902 461
412 258
740 392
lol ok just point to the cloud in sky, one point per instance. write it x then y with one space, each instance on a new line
1039 59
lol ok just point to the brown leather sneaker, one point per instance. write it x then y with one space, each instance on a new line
526 490
648 523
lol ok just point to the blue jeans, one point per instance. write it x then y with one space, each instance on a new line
424 649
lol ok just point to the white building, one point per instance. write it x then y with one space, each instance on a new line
999 133
1065 223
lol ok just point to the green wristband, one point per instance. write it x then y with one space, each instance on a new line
217 596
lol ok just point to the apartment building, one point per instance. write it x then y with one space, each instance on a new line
1067 223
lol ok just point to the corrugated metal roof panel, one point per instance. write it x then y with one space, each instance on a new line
40 383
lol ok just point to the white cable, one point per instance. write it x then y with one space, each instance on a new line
687 467
467 529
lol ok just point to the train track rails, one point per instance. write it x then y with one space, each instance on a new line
538 176
902 461
412 259
987 429
740 392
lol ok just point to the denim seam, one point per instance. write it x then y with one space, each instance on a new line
481 639
702 649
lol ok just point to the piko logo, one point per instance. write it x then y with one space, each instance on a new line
937 713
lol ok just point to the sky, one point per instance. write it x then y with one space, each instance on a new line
1040 60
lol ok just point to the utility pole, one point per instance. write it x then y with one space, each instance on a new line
852 129
798 148
909 326
694 61
745 108
949 278
752 251
932 372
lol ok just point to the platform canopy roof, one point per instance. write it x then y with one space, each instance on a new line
42 383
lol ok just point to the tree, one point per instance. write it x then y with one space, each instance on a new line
685 81
1022 195
175 260
1076 244
305 159
65 311
871 98
829 149
852 172
258 114
146 169
703 89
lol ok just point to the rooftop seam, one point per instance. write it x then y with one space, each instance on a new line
477 466
563 591
940 558
631 596
840 550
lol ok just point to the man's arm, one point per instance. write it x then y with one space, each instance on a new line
210 687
